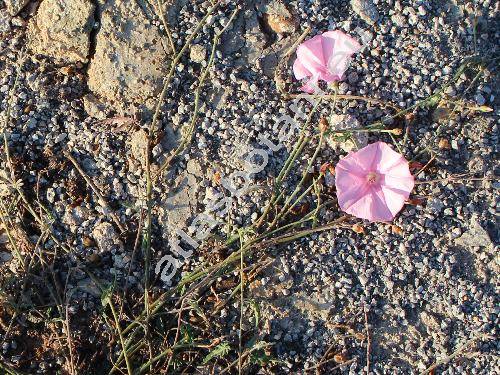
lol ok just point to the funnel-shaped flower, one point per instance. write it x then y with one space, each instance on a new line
324 57
373 183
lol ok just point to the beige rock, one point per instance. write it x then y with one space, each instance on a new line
198 53
61 29
15 6
279 18
138 145
129 63
106 238
94 107
178 209
4 22
354 142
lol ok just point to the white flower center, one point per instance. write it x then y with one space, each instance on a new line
372 177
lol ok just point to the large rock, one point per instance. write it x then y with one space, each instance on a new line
253 35
61 29
179 207
15 6
475 236
129 63
246 37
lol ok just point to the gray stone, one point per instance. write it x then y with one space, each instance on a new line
61 29
129 63
435 205
480 100
4 22
366 10
94 107
106 238
5 257
15 6
476 235
356 141
198 53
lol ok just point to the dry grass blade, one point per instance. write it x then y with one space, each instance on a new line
460 350
102 201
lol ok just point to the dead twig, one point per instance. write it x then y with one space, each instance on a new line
346 97
368 340
458 179
102 201
177 332
457 352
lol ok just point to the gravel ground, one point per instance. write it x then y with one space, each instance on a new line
396 298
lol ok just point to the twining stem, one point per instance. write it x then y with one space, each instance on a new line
249 247
277 195
299 146
346 97
362 130
242 288
190 129
318 203
120 335
299 185
165 25
146 242
173 65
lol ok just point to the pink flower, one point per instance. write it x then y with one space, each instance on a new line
373 183
324 57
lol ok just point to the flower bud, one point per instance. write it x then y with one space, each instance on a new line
323 125
444 144
358 229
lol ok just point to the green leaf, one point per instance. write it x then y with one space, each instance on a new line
106 296
258 354
256 312
187 334
219 351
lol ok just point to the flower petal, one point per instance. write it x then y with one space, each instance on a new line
310 54
366 155
299 70
342 50
385 157
350 188
371 206
399 178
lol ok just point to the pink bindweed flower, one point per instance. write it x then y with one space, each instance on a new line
373 183
324 57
